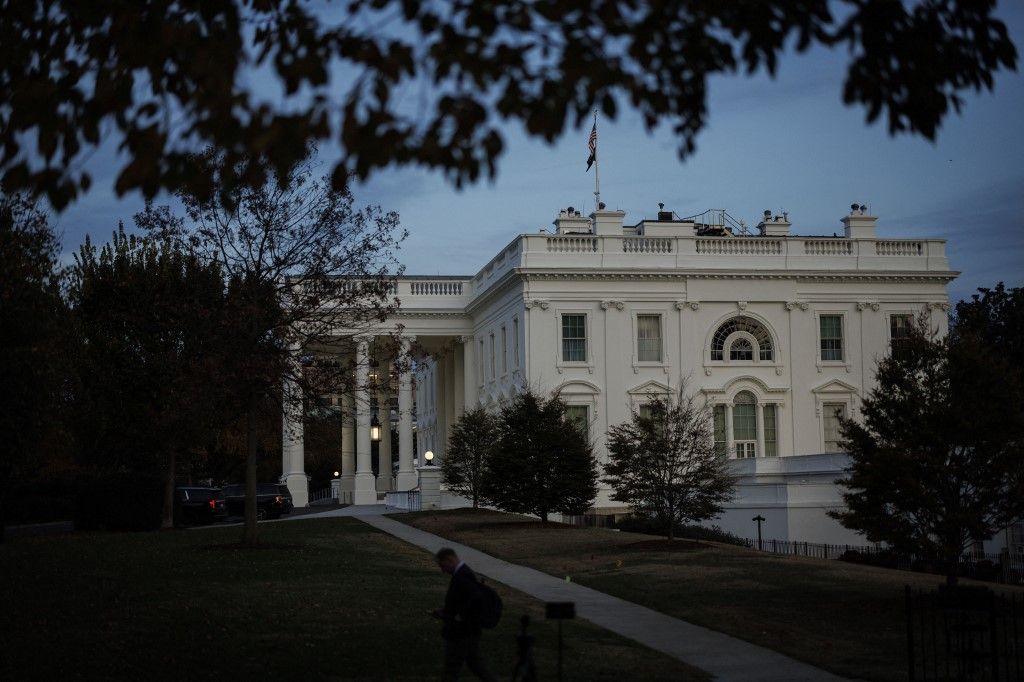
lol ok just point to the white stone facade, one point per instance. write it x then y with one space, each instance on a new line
608 314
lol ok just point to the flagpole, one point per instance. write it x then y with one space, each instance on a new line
597 173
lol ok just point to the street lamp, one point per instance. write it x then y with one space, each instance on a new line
375 429
759 520
337 474
429 456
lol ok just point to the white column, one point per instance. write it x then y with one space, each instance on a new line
348 447
384 417
365 492
458 381
468 372
293 452
449 403
406 479
759 422
730 445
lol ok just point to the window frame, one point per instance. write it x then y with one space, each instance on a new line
660 316
844 332
825 405
773 337
888 327
504 350
560 364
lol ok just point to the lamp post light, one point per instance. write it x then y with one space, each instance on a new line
375 429
337 474
759 519
429 457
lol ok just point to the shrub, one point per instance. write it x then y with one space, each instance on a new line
122 500
651 526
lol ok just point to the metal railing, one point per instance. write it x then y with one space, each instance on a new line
406 500
323 496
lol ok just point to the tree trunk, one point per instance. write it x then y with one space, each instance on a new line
168 520
671 531
249 527
544 516
952 564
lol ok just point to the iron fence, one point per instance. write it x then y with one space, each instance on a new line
964 633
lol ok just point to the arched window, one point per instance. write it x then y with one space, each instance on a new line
736 333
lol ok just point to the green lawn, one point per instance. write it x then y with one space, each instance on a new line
838 616
322 599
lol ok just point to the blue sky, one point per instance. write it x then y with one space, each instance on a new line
783 144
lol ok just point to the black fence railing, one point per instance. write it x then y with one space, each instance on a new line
964 633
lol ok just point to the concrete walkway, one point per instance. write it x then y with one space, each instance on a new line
727 658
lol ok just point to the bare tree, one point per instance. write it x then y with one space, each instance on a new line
664 463
305 272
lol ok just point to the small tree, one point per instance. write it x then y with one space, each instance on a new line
471 442
664 463
543 462
149 316
936 463
304 269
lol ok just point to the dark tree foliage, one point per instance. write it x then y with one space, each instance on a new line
32 323
995 318
304 270
429 83
471 444
936 459
152 323
543 462
665 465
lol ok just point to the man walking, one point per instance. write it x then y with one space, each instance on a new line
461 615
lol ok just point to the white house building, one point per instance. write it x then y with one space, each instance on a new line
780 332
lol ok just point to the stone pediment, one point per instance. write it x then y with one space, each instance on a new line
834 386
651 387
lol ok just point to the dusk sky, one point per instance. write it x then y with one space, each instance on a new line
783 144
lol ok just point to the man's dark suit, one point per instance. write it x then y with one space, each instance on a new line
461 631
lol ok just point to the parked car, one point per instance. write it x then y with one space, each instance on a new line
287 495
270 503
194 505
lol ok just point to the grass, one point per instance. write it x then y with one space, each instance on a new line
320 599
842 617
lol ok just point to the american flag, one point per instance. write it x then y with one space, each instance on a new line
592 145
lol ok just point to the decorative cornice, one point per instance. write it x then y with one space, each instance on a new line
536 302
939 305
415 314
864 305
618 305
792 305
692 305
944 276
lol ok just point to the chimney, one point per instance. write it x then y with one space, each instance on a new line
607 222
859 225
571 221
774 226
663 215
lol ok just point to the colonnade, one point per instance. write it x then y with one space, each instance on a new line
454 387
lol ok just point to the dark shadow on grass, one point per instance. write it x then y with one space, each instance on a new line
663 545
238 546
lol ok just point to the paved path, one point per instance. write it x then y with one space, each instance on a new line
727 658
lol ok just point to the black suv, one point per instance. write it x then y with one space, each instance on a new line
270 503
198 505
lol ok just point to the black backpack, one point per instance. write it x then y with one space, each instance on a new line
489 612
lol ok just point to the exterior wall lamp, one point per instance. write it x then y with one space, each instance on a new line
429 457
375 429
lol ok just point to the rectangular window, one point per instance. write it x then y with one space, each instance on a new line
515 341
834 413
493 374
771 434
721 443
648 338
504 351
899 330
579 416
831 337
574 338
644 411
